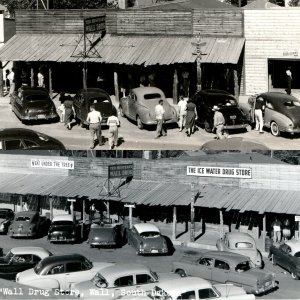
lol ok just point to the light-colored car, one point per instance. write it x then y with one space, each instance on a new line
147 239
282 112
241 243
140 105
19 259
191 288
28 224
287 255
224 267
114 280
60 272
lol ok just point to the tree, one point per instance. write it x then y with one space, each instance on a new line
294 3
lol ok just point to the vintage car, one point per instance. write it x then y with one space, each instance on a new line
28 224
146 239
205 100
64 228
60 272
27 139
20 259
282 112
106 234
6 217
33 104
140 105
190 288
241 243
223 267
119 278
287 256
99 98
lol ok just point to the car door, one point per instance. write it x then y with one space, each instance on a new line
281 255
202 268
220 271
132 105
57 273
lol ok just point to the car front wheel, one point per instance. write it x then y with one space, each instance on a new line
140 125
294 276
181 273
275 129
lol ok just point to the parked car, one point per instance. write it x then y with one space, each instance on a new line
26 139
287 256
191 288
282 113
140 105
147 239
205 100
99 98
241 243
28 224
6 217
20 259
119 278
33 104
60 272
64 229
224 267
106 234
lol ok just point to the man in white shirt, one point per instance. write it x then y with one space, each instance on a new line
11 78
182 112
113 123
41 82
94 119
160 118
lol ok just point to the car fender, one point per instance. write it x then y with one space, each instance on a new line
282 120
124 104
44 283
142 112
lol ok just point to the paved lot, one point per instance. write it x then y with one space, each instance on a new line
288 288
133 138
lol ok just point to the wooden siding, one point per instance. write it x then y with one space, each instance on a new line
274 34
59 21
154 22
218 23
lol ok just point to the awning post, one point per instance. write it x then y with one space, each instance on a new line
107 209
221 224
130 217
174 227
51 208
31 77
116 85
1 79
84 76
50 83
264 233
236 83
175 87
192 229
83 218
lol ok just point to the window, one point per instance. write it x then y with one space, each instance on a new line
207 293
244 245
269 105
187 295
35 258
243 266
219 264
152 96
99 281
206 261
30 144
25 258
14 145
22 218
149 234
143 278
124 281
73 266
58 269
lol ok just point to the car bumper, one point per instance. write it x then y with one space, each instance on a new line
22 234
62 239
237 126
291 130
154 122
39 117
266 288
95 243
153 251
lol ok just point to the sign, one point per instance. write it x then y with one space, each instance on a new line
94 24
52 164
71 200
129 205
290 53
297 218
207 171
119 171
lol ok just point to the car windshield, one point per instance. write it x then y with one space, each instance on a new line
40 97
60 223
152 96
244 266
154 275
159 294
38 268
150 234
88 264
23 218
8 256
244 245
99 281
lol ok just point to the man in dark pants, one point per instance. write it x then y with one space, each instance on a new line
94 119
289 81
160 118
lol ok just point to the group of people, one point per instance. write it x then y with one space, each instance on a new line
280 230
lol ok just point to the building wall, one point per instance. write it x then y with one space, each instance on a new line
270 33
1 28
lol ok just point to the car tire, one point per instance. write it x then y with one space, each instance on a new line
140 125
121 112
294 276
273 260
274 129
207 128
181 273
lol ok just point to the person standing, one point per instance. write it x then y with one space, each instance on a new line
160 119
92 212
94 119
219 122
7 82
276 226
258 112
113 123
182 104
191 116
286 230
11 78
70 113
41 79
289 79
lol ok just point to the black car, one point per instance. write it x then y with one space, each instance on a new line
26 139
6 217
99 98
206 99
33 104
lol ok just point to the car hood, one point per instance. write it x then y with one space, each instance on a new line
84 287
230 111
26 276
163 276
294 114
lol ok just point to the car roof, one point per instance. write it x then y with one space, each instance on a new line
231 257
294 244
123 269
63 218
278 97
6 209
17 132
29 213
237 237
145 227
62 258
141 91
180 285
41 252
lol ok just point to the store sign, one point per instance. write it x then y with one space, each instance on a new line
206 171
94 24
52 164
120 171
297 218
290 53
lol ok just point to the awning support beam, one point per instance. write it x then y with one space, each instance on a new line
192 229
174 227
221 224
